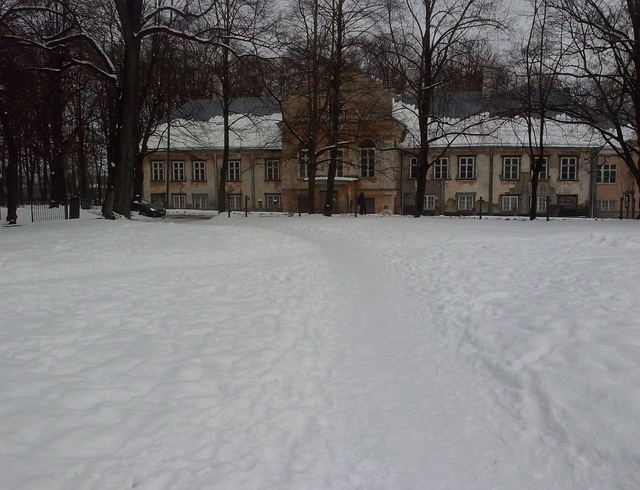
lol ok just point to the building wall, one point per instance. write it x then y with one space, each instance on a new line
188 192
487 185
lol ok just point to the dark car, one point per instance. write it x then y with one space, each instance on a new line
145 208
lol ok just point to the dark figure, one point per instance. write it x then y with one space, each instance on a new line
362 203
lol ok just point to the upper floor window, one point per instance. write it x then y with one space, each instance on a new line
607 173
177 169
199 173
413 168
233 173
511 168
272 169
568 168
340 163
441 168
157 170
544 169
466 168
367 161
303 164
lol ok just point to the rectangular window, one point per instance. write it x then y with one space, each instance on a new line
272 169
465 202
466 168
429 202
544 170
273 201
413 168
441 168
367 162
179 201
235 201
509 203
609 205
607 174
568 168
303 164
177 170
200 201
159 198
199 173
157 170
541 206
340 164
511 168
233 174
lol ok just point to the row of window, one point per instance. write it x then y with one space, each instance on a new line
466 202
199 173
201 201
607 173
367 163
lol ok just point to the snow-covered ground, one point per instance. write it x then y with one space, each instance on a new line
275 352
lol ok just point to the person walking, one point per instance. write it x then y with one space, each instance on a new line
362 203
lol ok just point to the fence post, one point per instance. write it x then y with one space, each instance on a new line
548 207
228 205
246 206
621 206
480 212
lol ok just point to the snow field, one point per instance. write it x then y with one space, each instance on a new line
315 353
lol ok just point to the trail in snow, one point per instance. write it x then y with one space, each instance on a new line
313 353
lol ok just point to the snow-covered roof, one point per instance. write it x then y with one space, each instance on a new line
199 125
484 129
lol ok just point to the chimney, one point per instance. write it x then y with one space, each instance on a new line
487 81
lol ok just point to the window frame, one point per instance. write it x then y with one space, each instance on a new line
272 169
413 168
567 169
464 197
179 201
199 167
429 203
269 201
367 162
198 197
157 171
234 170
509 197
511 168
304 162
606 208
235 199
539 200
439 165
177 171
468 164
608 175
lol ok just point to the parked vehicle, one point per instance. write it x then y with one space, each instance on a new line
145 208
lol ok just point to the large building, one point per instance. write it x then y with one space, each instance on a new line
480 160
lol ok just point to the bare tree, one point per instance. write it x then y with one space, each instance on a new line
605 68
535 94
428 39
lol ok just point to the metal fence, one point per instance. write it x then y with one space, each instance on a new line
49 212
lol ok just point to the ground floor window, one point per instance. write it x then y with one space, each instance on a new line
159 198
465 202
510 203
200 201
429 202
235 201
179 201
273 201
608 205
541 204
